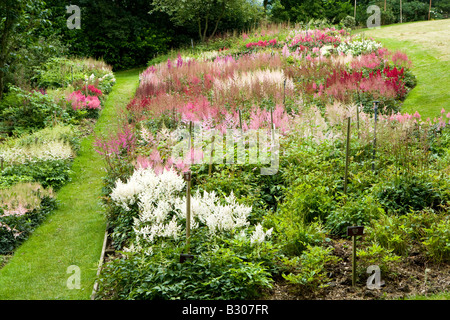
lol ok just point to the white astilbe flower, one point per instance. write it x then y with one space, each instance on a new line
54 150
259 236
162 208
218 217
147 184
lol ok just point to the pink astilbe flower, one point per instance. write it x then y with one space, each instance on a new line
117 144
93 90
80 101
179 61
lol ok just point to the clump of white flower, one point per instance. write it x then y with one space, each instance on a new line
357 47
259 235
52 150
326 50
148 187
162 208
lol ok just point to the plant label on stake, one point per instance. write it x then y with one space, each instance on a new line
353 232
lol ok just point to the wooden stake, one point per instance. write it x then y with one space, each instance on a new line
374 134
353 260
211 155
357 120
188 212
347 152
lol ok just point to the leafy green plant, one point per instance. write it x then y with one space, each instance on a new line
375 254
437 240
311 267
354 212
404 193
212 274
22 111
54 173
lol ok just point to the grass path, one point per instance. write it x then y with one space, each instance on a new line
426 44
73 234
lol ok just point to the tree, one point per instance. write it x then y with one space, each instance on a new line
19 20
204 13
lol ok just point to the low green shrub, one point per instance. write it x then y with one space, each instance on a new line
311 267
23 112
220 272
354 212
436 240
51 173
375 254
404 193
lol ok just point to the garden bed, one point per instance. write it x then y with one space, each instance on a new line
43 130
256 231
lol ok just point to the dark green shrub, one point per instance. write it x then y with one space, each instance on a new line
437 240
54 173
310 268
213 274
404 193
354 212
22 111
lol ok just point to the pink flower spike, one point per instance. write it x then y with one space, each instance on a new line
442 111
417 115
448 115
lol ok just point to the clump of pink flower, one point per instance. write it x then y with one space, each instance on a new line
80 101
261 44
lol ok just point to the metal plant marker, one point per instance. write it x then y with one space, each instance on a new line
353 232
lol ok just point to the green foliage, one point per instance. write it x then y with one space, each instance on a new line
22 111
437 240
354 212
376 255
348 22
65 133
53 173
334 11
311 267
21 47
220 272
404 193
206 15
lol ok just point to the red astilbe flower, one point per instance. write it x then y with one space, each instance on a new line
92 90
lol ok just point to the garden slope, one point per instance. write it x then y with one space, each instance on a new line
73 234
426 44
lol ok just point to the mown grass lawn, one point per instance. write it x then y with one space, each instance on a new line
426 44
73 234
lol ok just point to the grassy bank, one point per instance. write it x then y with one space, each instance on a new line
426 44
73 234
